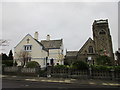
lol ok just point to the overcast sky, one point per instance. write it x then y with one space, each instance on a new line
71 21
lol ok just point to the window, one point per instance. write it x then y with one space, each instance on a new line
102 32
90 49
30 48
27 47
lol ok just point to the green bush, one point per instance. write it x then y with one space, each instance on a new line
101 67
117 68
105 68
80 65
7 62
103 60
43 73
32 64
60 66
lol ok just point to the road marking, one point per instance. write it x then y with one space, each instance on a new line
26 85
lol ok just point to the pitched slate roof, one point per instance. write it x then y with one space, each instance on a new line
89 40
35 40
41 44
52 44
23 39
71 53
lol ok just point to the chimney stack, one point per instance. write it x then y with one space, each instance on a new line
36 35
48 37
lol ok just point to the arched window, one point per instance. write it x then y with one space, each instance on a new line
102 32
90 49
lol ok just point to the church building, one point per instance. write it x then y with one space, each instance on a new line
100 45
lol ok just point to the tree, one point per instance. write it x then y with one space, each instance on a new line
10 56
80 65
3 43
24 57
4 56
103 60
7 62
15 63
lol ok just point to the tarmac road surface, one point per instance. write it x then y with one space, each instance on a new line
35 84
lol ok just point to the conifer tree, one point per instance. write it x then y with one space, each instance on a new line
10 55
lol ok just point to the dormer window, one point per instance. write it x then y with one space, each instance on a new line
27 47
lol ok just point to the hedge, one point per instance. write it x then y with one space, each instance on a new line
105 68
32 64
7 62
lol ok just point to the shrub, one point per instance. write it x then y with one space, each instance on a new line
101 67
105 68
42 73
103 60
7 62
117 68
80 65
32 64
60 66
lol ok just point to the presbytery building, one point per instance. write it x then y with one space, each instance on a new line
45 52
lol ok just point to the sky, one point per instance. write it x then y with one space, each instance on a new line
71 21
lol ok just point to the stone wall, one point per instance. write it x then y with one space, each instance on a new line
20 71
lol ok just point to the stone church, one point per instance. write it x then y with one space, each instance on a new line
100 45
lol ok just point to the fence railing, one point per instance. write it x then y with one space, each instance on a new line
84 74
64 73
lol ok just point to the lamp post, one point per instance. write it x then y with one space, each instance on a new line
90 69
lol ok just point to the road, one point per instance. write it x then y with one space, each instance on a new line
34 84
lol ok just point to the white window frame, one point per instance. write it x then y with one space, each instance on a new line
27 47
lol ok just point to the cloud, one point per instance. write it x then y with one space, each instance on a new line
71 21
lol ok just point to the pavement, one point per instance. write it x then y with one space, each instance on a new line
63 80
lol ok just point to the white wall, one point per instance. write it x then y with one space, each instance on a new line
37 53
57 55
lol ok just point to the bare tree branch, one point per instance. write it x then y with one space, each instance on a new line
4 42
23 57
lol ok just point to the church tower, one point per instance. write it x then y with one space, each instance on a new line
102 38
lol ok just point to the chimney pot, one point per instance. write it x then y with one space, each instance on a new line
36 35
48 37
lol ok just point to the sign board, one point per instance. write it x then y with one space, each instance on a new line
89 58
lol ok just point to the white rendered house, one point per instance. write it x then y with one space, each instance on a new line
30 49
46 53
55 49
